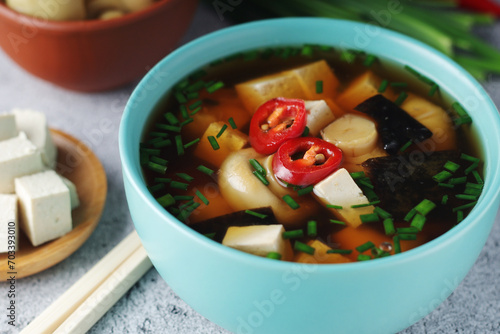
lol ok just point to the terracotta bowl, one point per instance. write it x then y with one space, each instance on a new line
95 55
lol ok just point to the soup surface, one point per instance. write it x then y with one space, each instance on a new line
313 155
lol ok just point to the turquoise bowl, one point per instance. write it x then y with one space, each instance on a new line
248 294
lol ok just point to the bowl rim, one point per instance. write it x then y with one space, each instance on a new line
134 176
83 25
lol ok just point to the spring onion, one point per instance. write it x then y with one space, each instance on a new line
256 214
232 123
205 170
312 228
156 167
302 247
333 206
179 185
425 207
364 247
369 218
224 127
389 226
451 166
291 202
383 86
192 142
364 257
339 251
306 190
158 160
261 177
274 255
418 222
166 200
295 234
339 222
213 142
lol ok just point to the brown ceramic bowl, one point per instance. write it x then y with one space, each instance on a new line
95 55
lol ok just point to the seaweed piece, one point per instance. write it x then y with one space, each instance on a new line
395 126
403 181
220 224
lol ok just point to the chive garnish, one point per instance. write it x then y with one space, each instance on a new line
156 187
180 98
347 56
312 228
458 180
150 150
306 190
383 86
369 218
192 96
156 167
339 222
144 158
369 60
364 257
224 127
166 200
291 202
333 206
307 50
214 87
181 85
418 222
358 175
163 143
370 194
446 185
460 216
186 122
478 178
444 200
319 86
302 247
466 197
184 112
472 191
339 251
191 143
474 186
365 182
405 146
389 226
442 176
168 127
162 179
274 255
256 214
397 244
179 185
425 207
295 234
356 206
195 86
305 133
195 105
213 142
399 84
183 197
205 170
261 177
185 205
202 197
153 140
258 167
364 247
410 215
179 145
158 134
232 123
467 157
471 168
419 76
185 177
402 96
408 230
463 116
451 166
382 213
465 206
408 236
195 111
158 160
433 90
171 118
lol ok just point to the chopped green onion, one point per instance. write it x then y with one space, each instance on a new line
185 177
184 112
471 168
399 84
214 87
425 207
451 166
458 180
185 205
319 86
232 123
389 226
405 146
369 218
295 234
158 160
205 170
171 118
472 191
166 200
347 56
419 76
357 175
444 200
356 206
474 186
339 251
156 167
382 213
168 127
291 202
305 133
180 98
462 114
192 96
187 121
183 197
191 143
446 185
156 187
364 247
195 105
369 60
302 247
179 185
181 85
162 179
366 182
274 255
433 90
261 177
364 257
410 215
478 178
333 206
467 157
258 167
195 111
213 142
179 145
306 190
370 194
202 197
465 206
418 222
256 214
397 244
307 50
312 228
158 134
163 143
408 236
466 197
224 127
339 222
460 216
402 96
442 176
196 86
154 140
383 86
408 230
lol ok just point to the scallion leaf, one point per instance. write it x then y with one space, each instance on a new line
213 142
338 222
339 251
302 247
261 177
295 234
256 214
202 197
366 246
312 228
319 86
274 255
369 218
205 170
166 200
291 202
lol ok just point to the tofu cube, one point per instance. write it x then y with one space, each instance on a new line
8 127
340 189
73 194
319 115
8 223
34 124
256 239
18 157
45 206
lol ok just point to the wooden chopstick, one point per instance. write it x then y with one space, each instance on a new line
116 271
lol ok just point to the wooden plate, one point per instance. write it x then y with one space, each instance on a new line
77 163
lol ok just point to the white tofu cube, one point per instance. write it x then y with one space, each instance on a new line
73 194
18 157
319 115
44 205
8 127
8 223
258 239
34 124
340 189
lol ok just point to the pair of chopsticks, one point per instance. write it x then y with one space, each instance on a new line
79 308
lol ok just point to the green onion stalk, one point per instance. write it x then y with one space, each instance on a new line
439 24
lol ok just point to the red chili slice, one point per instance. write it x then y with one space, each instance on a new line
275 121
306 160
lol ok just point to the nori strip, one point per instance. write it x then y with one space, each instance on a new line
220 224
395 126
403 181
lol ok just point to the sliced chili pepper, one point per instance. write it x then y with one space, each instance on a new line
275 121
306 160
485 6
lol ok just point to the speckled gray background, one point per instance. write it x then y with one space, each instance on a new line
151 306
